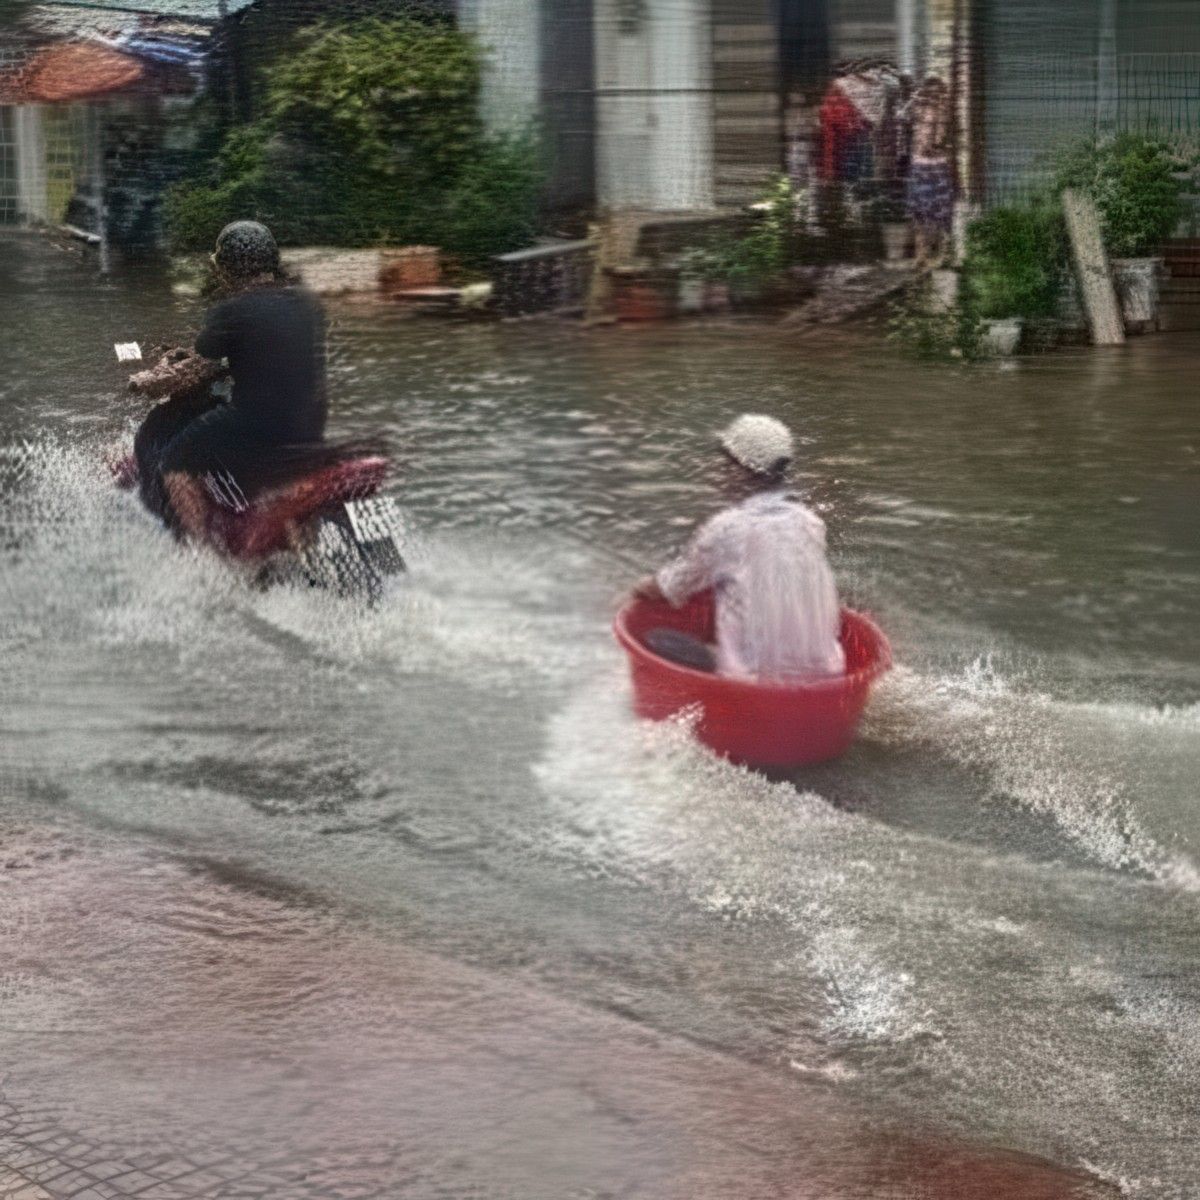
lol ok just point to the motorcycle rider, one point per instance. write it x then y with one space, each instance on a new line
272 334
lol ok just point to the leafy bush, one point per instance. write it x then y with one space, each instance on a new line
931 333
1014 262
1132 179
760 253
370 134
493 206
197 211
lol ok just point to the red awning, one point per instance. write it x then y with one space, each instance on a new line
76 71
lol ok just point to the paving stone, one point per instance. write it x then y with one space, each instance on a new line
26 1156
11 1181
148 1162
108 1191
107 1168
68 1186
199 1183
39 1137
131 1183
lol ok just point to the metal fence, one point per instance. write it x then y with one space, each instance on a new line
1038 103
1160 94
546 279
9 194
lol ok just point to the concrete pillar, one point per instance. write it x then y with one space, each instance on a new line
939 28
99 184
510 32
681 62
654 110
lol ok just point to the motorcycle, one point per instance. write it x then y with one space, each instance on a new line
327 525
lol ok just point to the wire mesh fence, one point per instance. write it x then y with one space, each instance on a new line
1042 102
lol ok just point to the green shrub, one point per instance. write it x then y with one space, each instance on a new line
493 205
930 333
1132 179
370 134
233 188
1015 258
761 252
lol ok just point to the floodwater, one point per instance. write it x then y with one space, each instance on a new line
303 900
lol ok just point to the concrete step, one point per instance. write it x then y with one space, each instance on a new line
1178 318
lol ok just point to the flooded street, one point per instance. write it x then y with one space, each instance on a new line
307 900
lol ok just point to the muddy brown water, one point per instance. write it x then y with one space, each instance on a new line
307 900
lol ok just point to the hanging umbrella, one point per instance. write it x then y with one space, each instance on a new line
78 71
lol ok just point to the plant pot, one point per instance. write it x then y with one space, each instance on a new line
1137 282
644 295
1000 337
691 294
896 237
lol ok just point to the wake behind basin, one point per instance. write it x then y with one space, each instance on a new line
771 726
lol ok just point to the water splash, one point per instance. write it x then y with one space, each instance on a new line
1029 748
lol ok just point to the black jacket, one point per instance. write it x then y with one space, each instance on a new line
274 339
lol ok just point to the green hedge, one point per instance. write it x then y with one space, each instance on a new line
370 134
1133 180
1015 259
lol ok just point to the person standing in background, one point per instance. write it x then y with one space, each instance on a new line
929 194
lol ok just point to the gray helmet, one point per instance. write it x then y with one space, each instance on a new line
246 249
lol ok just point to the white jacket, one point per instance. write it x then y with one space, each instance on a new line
777 608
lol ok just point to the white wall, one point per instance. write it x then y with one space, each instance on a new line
654 107
510 33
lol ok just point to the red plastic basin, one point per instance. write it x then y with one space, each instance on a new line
776 726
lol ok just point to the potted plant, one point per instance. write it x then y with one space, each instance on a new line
894 229
926 327
701 286
753 262
1012 273
644 291
1134 180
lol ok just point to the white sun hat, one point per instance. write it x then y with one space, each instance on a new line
760 444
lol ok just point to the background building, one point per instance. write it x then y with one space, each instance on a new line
672 106
86 97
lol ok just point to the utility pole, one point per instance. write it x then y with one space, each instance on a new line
906 36
98 183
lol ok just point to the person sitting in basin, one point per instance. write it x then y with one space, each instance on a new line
777 611
273 336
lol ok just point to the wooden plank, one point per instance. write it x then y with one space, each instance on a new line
1092 269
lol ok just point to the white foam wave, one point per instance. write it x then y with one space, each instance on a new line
866 1001
646 802
82 557
1030 749
83 560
